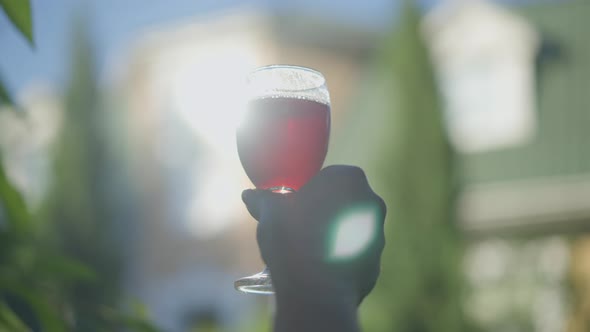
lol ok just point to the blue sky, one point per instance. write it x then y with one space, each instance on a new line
114 23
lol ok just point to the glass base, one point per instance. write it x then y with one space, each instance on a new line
260 283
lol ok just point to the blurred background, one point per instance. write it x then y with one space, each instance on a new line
120 183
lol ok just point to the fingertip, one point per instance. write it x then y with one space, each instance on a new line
247 195
349 169
382 206
258 200
250 197
349 172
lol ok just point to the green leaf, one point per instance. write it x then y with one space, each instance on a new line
43 310
5 96
19 12
9 321
65 268
7 100
12 204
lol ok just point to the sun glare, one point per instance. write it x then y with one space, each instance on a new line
208 91
210 94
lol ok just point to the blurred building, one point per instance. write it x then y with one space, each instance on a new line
183 91
514 79
485 61
537 51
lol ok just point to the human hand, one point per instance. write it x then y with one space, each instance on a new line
324 240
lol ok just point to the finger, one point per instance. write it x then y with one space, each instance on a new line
253 200
382 207
338 179
260 202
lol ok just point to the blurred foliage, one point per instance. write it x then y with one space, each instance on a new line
10 321
19 13
31 273
13 205
75 215
81 214
4 95
261 321
59 269
411 165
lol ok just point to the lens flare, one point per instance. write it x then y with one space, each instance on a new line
352 232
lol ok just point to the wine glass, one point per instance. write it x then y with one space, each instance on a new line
283 137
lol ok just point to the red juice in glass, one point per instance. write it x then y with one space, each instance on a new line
283 141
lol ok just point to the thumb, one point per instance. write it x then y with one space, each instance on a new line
258 200
253 200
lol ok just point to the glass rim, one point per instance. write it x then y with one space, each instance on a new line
319 85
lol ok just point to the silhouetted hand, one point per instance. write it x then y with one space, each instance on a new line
322 245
